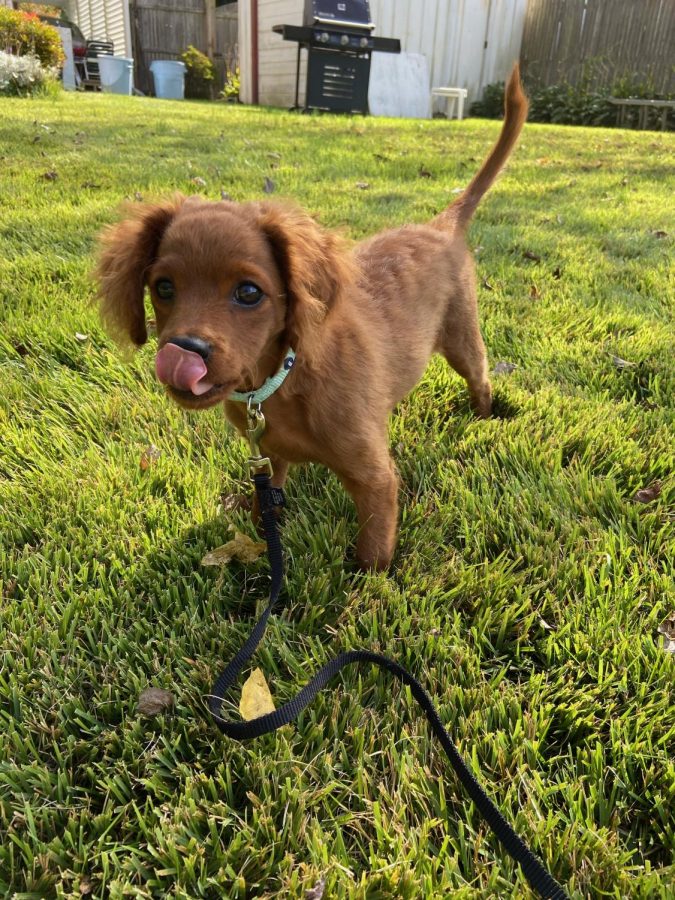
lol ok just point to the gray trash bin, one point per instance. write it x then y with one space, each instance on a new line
169 78
117 74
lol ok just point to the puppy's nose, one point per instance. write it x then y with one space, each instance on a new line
194 344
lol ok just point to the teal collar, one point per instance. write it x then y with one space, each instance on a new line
272 384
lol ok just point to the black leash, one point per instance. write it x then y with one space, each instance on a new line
269 498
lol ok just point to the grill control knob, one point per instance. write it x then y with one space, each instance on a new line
324 37
344 40
364 42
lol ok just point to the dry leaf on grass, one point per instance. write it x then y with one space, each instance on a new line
504 368
149 457
316 893
233 502
667 629
256 699
154 701
646 495
268 186
622 363
241 548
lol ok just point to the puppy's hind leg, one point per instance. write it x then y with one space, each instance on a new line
461 343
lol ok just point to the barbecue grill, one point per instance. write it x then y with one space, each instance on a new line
337 35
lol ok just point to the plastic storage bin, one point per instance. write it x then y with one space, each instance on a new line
169 78
117 74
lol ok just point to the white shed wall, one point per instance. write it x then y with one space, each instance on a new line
467 43
105 19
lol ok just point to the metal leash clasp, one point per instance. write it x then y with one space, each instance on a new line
257 463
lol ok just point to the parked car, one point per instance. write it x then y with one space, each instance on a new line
85 52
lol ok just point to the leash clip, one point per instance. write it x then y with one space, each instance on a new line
257 463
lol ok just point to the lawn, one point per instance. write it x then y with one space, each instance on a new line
527 589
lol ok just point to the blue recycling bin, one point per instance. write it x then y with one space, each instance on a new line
169 78
117 74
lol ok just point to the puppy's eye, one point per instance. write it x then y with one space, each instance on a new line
164 289
247 294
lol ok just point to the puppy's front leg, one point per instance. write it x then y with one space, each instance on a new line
375 493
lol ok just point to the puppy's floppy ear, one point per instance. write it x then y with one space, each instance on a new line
316 269
127 250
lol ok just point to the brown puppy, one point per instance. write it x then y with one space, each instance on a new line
234 286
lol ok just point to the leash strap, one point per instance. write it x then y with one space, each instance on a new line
269 499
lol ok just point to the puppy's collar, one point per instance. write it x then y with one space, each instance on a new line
272 384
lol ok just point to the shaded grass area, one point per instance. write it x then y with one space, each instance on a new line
528 585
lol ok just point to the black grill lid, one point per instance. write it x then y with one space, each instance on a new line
354 13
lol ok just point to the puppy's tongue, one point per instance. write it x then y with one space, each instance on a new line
182 369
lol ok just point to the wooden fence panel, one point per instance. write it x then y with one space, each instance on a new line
163 29
601 40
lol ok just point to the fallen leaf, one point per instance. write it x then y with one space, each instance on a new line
91 185
362 185
50 176
149 457
424 173
648 494
256 699
667 629
153 701
268 185
199 182
316 893
534 292
138 196
86 887
232 502
487 285
81 337
622 363
529 254
241 548
504 368
274 155
544 624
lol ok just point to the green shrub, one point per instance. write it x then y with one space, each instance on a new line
198 65
569 104
232 85
491 104
199 75
23 33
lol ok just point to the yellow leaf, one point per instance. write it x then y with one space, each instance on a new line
241 548
256 699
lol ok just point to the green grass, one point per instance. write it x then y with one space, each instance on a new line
527 588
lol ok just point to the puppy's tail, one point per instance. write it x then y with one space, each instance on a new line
515 112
